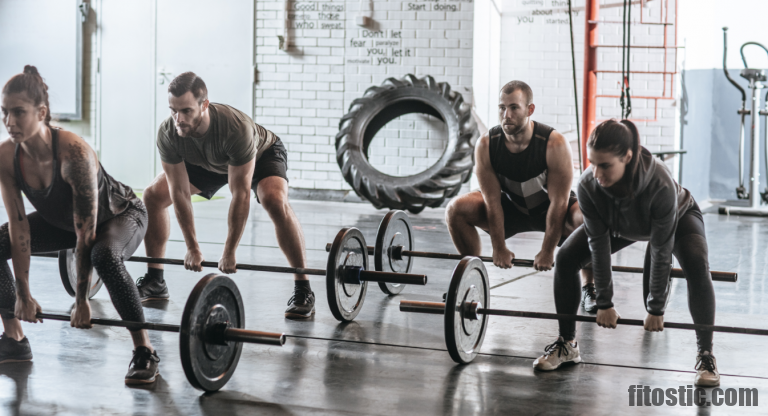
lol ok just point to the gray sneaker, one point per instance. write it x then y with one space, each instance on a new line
706 370
557 354
589 298
12 351
144 367
151 289
302 304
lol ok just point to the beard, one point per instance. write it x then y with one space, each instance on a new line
190 128
513 129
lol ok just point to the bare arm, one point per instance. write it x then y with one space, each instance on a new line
18 226
559 180
240 185
178 182
491 190
80 170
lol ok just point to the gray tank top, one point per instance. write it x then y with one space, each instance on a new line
54 203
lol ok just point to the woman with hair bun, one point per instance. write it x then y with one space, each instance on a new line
78 205
627 195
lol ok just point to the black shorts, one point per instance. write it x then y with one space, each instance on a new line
273 162
516 222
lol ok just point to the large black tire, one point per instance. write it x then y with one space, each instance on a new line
394 98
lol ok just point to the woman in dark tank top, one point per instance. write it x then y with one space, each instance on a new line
78 205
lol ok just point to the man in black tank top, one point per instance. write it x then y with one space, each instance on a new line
525 170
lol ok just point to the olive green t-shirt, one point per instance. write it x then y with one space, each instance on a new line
232 139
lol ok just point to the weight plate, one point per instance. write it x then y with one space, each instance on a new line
68 273
464 336
394 230
348 249
208 364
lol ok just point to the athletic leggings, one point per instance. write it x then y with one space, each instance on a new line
116 240
690 249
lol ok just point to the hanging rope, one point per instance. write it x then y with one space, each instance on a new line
575 91
626 58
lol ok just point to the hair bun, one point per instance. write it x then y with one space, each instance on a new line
31 70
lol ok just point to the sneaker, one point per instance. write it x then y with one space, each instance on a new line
589 298
12 351
301 305
557 354
143 368
151 289
706 370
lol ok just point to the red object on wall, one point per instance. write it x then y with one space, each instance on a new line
591 68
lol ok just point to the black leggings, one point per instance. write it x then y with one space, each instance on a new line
116 240
690 249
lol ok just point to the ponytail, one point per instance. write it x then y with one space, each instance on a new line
31 83
618 138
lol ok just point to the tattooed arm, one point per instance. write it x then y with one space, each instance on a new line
26 306
80 170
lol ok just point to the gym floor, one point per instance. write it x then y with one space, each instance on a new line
387 361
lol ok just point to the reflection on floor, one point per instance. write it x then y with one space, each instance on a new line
388 362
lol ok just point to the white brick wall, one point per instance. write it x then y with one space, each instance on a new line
536 49
301 94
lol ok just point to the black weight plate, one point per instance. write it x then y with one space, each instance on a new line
207 365
348 249
68 273
464 336
394 230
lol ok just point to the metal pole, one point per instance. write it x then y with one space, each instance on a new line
590 74
754 166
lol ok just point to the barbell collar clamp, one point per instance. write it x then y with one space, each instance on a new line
434 308
253 337
355 275
470 310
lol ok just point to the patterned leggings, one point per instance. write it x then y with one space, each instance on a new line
116 240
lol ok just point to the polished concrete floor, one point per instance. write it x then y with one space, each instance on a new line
388 362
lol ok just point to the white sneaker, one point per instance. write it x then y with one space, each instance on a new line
557 354
706 370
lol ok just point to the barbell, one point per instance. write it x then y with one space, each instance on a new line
347 273
393 252
467 308
211 333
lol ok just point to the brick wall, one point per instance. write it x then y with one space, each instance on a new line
536 49
303 92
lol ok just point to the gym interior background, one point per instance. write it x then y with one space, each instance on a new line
297 67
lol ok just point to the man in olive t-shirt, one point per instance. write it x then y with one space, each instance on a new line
204 146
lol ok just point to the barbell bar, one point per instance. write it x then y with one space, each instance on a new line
211 332
396 250
352 273
468 298
347 273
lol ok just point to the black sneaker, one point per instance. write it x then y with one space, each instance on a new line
302 304
151 289
589 298
143 368
12 351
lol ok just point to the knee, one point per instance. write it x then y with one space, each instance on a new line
276 204
566 262
157 196
456 212
105 260
692 251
